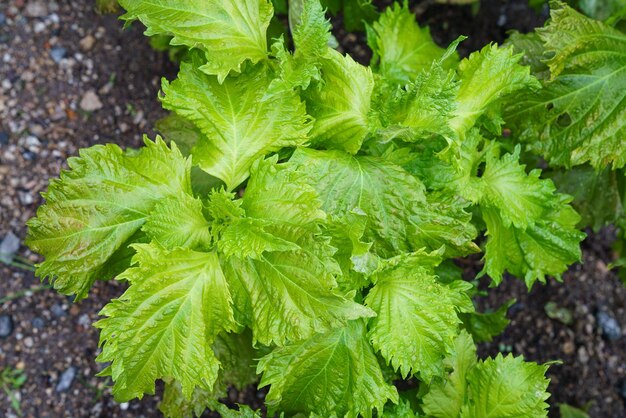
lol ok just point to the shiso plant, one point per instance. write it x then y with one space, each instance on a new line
295 226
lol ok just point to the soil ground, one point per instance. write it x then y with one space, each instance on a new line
56 56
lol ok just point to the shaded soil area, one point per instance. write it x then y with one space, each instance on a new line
70 78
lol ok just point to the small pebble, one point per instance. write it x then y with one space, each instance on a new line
87 43
36 8
3 19
65 382
57 310
4 138
58 53
38 323
28 342
90 102
583 356
6 325
501 20
609 326
25 197
8 247
28 155
84 320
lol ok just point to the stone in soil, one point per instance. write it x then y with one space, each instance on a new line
609 326
87 43
36 8
8 247
4 138
58 53
90 102
3 19
57 310
66 380
6 325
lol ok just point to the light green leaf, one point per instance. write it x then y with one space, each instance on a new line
507 387
422 108
340 104
247 237
416 321
332 374
228 32
580 114
175 405
486 77
239 126
400 217
97 206
485 325
163 325
290 295
283 282
401 49
446 397
177 221
401 410
520 198
311 37
545 248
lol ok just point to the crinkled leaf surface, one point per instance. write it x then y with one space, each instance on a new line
545 248
239 126
340 103
332 374
507 387
163 325
486 77
416 321
283 282
228 32
446 397
401 48
579 115
96 206
177 221
400 217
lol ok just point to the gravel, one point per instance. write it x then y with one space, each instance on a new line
6 326
66 380
8 247
90 102
609 325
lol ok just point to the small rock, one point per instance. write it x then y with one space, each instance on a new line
38 323
609 326
67 377
31 143
28 155
6 325
583 356
501 20
3 19
36 8
28 342
4 138
8 247
124 406
58 53
568 348
57 310
90 102
87 43
84 320
25 197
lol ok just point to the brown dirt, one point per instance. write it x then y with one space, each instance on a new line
41 98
